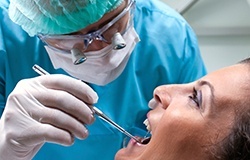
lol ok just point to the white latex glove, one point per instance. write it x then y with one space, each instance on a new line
50 108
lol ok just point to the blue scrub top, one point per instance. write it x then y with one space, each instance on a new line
167 53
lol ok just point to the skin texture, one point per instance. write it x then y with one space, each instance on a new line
188 119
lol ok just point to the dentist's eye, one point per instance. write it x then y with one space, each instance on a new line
196 97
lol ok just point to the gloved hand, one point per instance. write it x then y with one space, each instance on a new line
50 108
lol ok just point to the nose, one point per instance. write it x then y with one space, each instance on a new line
166 93
162 95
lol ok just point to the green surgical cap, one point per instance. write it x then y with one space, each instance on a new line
58 16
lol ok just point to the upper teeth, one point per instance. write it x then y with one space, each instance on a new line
147 125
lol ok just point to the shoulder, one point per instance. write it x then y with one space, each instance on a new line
7 25
9 31
152 16
3 13
149 7
4 4
156 20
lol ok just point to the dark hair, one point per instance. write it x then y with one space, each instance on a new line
245 61
236 146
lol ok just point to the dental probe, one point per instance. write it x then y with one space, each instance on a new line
104 117
96 111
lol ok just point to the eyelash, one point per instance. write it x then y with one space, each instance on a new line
194 97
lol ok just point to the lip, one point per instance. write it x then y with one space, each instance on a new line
134 146
132 143
148 115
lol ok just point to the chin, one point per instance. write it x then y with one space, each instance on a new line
134 150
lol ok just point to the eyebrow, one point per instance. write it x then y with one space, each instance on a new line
211 87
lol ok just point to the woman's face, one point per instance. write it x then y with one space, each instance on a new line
187 119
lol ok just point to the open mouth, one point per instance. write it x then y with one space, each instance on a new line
145 140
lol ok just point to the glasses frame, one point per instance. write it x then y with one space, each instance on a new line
89 37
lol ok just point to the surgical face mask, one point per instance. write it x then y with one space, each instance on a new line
102 66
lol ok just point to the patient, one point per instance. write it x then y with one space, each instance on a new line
208 119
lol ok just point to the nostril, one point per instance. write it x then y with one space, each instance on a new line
163 95
157 98
163 99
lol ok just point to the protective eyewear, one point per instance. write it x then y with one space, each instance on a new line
65 43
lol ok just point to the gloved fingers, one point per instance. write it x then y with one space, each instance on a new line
56 135
56 107
75 87
67 103
62 121
42 133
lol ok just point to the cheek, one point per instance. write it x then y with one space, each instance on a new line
154 117
129 153
180 131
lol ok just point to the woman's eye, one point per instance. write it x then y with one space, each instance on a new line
196 97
